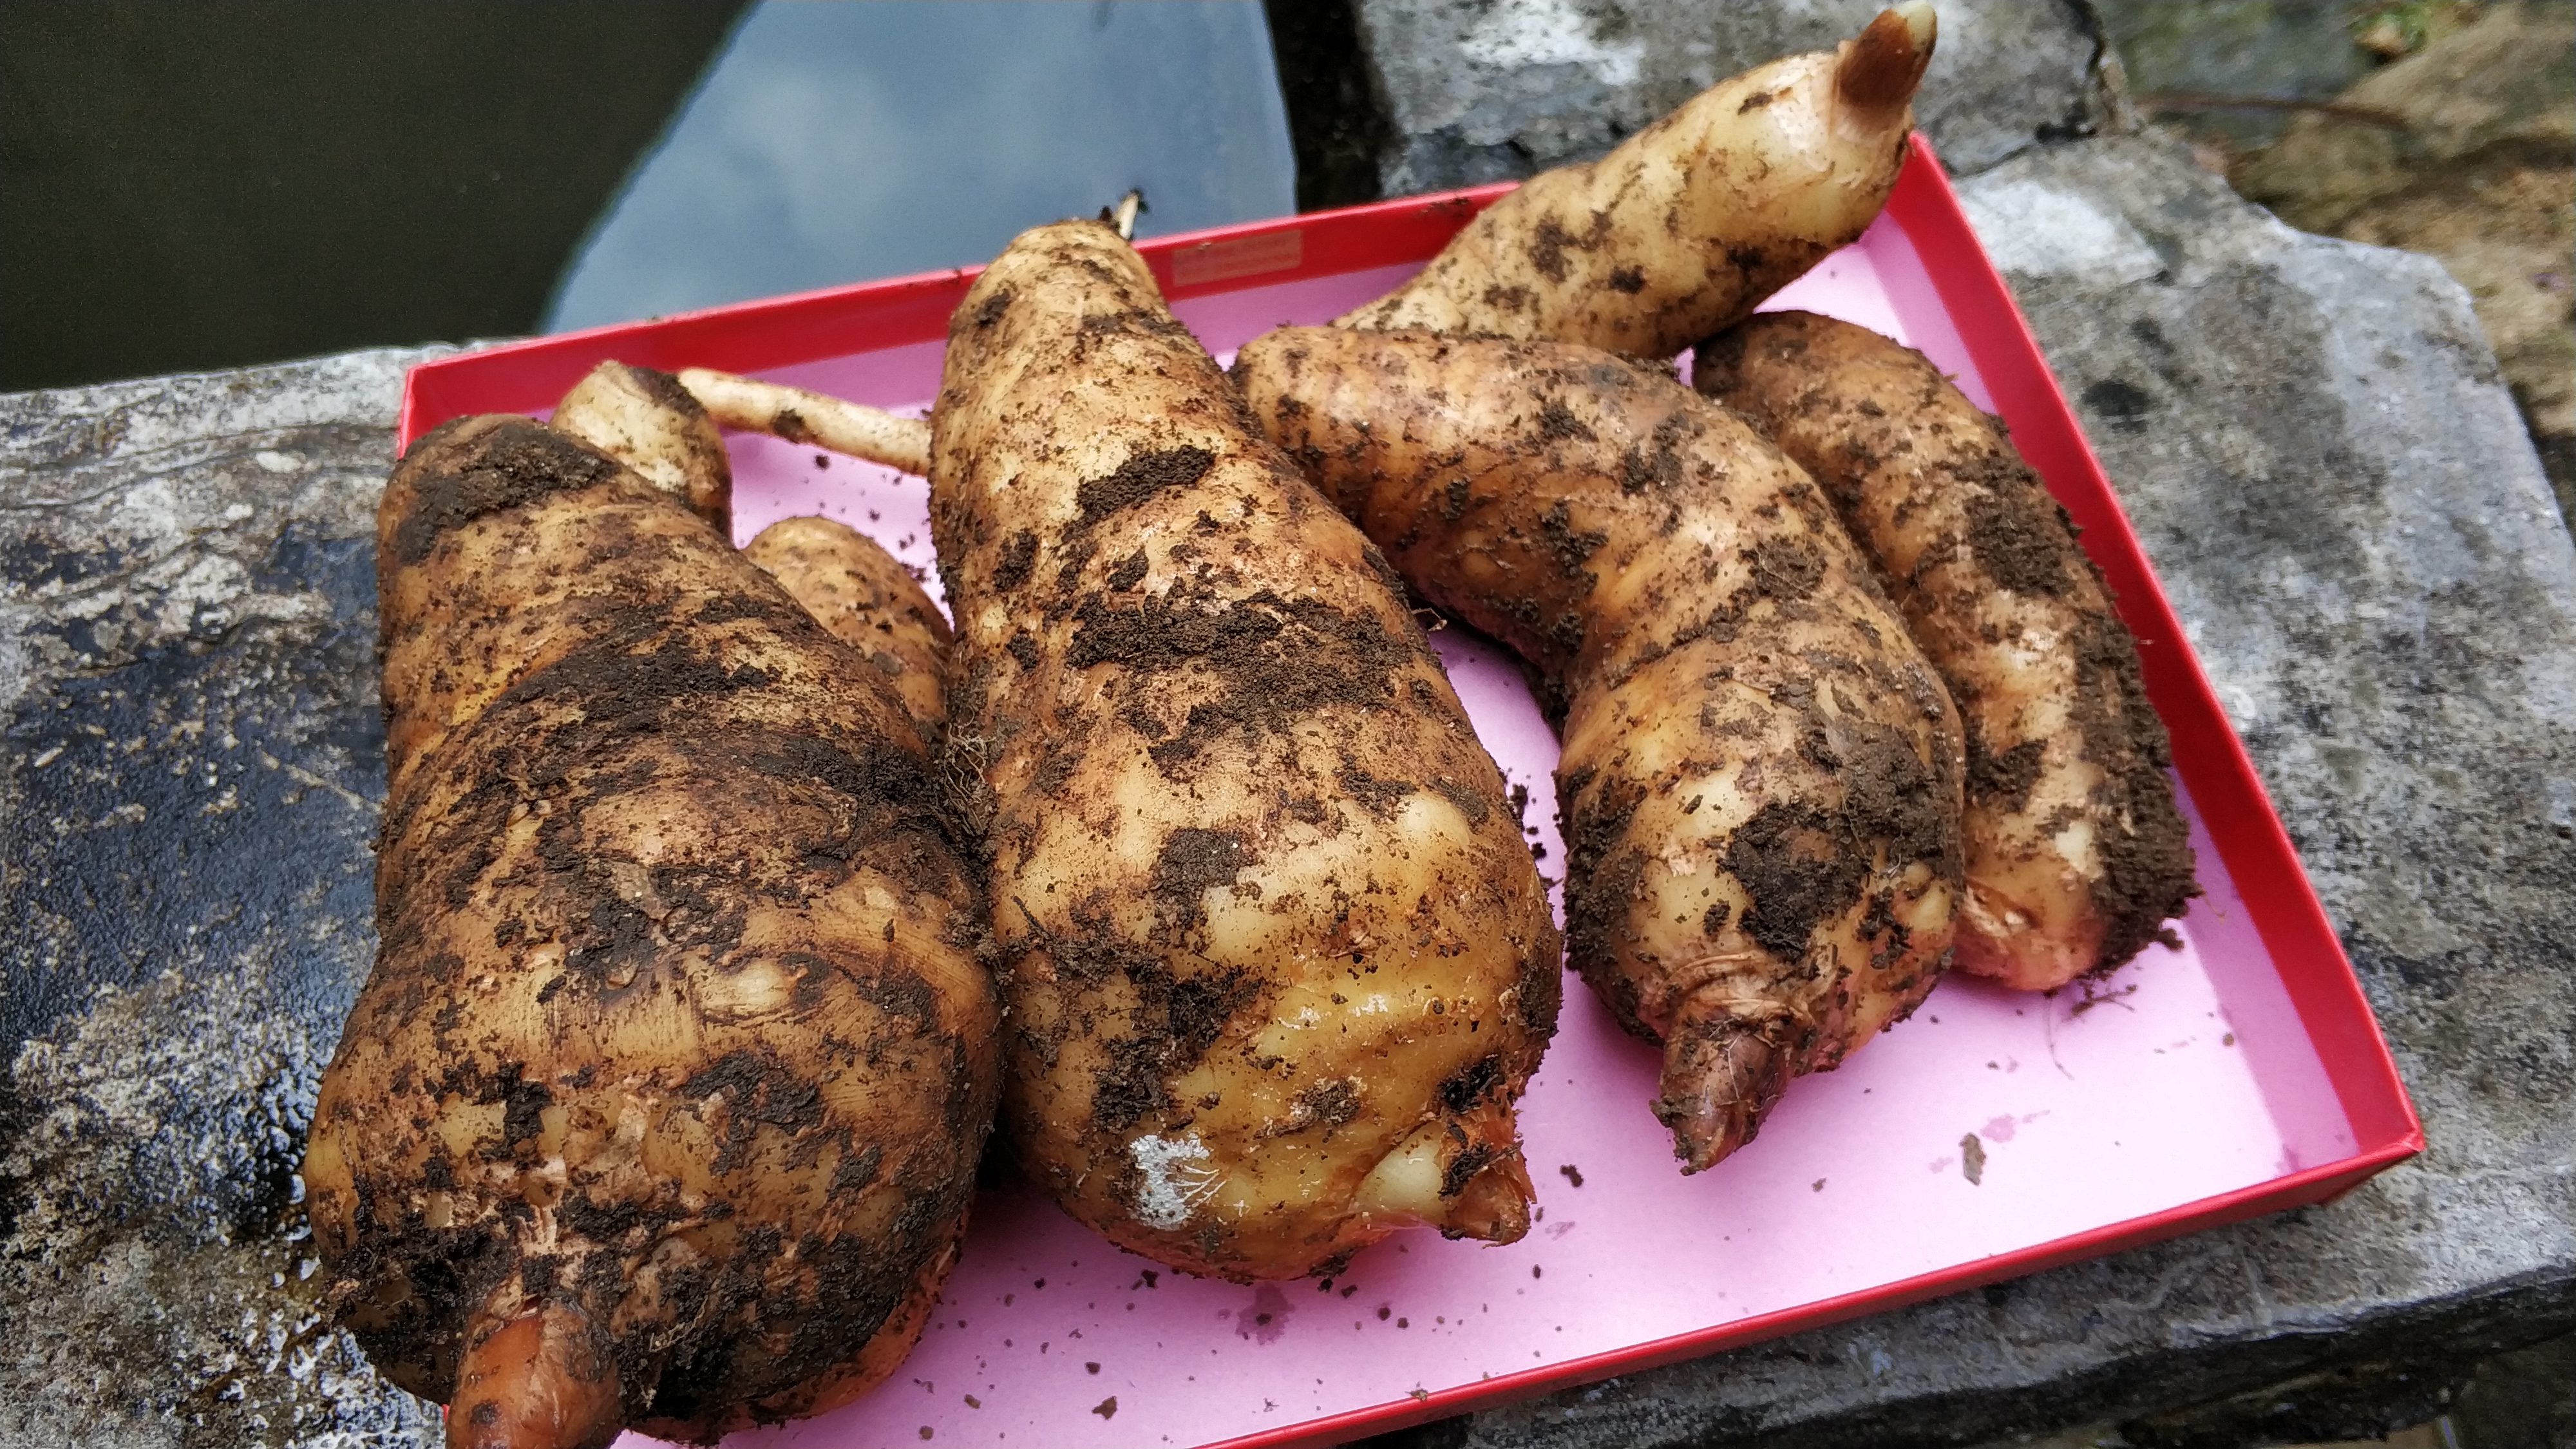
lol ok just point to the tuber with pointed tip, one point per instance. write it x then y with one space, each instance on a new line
1688 225
1760 779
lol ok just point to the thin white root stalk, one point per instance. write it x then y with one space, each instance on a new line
834 424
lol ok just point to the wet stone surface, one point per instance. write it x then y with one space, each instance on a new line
191 762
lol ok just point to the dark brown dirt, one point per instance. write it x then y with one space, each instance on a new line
1380 797
1176 1021
1472 1083
790 426
1793 863
1140 478
1281 659
2002 781
1556 421
1601 873
1889 794
1331 1103
1191 861
1470 803
2148 871
1548 241
1656 466
755 1090
665 390
2018 533
1786 569
510 462
1019 555
1572 549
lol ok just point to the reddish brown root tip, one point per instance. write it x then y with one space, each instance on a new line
539 1381
1494 1206
1721 1078
1880 70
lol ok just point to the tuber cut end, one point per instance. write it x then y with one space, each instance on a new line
1880 69
1459 1173
539 1381
1494 1206
1721 1077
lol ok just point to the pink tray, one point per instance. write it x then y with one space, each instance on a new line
2239 1075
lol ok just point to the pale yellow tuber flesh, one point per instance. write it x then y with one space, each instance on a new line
663 1102
2076 854
647 421
1269 918
1688 225
1760 781
866 598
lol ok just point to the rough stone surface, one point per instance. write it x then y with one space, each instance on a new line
2313 442
2480 171
2187 58
191 762
1483 90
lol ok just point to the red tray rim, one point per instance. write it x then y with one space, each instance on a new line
2332 1008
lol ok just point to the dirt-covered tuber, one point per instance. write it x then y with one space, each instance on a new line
662 1104
2076 854
1689 224
1279 961
1760 779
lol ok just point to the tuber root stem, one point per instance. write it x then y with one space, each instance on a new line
799 416
1722 1075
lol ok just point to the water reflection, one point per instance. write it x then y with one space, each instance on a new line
836 142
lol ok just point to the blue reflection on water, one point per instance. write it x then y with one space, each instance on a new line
836 142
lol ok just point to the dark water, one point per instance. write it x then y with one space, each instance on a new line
188 186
